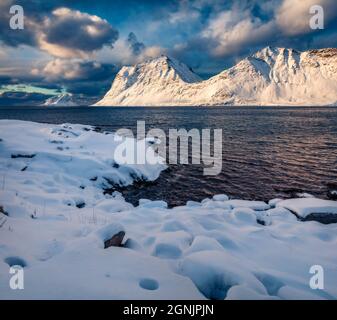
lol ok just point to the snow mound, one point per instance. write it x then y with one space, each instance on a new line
256 205
311 208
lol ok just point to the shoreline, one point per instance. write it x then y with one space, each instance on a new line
74 242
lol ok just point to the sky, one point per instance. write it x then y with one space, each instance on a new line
78 46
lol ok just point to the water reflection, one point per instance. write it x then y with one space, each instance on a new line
267 152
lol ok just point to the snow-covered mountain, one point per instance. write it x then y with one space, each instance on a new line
272 76
61 100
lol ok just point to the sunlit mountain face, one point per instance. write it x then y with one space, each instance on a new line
78 47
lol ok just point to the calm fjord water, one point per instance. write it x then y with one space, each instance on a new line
268 152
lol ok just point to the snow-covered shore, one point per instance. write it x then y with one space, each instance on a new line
55 219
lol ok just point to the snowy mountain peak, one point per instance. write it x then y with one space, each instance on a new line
273 53
161 72
272 76
61 100
164 68
180 70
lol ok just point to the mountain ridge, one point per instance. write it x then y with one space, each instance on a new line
271 76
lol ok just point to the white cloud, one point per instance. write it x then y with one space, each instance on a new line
67 69
232 29
293 17
3 54
185 13
74 69
151 52
122 53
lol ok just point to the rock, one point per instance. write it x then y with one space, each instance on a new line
332 195
111 235
332 191
115 241
80 205
321 217
2 210
27 156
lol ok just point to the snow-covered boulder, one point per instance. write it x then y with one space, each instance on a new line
307 209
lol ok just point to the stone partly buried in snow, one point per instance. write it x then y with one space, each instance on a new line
312 209
115 241
111 235
332 191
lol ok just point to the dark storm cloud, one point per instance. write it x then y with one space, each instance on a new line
5 80
77 30
58 30
50 86
22 99
91 89
95 71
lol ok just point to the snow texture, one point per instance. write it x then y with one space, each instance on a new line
54 220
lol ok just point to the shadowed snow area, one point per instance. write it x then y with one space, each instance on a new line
218 248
